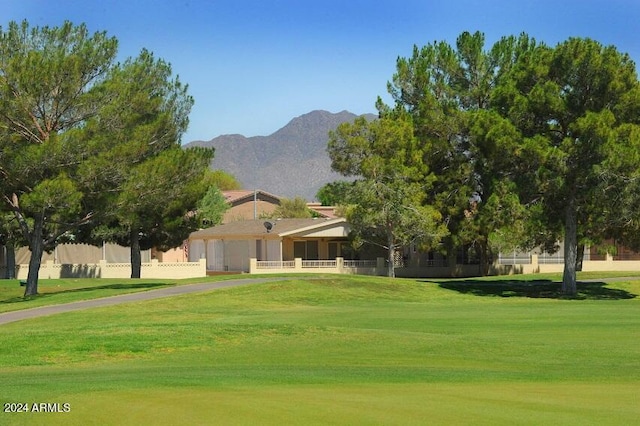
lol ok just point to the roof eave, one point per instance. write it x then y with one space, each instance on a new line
321 223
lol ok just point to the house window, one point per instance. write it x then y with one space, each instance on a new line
307 250
259 250
333 250
300 249
312 250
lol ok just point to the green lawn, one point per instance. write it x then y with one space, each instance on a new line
337 350
58 291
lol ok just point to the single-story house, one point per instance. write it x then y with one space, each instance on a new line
230 246
243 205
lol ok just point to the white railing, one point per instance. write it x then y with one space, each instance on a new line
360 263
514 259
330 266
550 259
275 264
319 264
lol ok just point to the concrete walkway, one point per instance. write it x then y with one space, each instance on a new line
129 297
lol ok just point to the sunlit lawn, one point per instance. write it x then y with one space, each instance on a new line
66 290
337 350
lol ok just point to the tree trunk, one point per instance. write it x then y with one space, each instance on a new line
10 259
391 272
570 250
580 257
483 255
451 257
136 257
36 245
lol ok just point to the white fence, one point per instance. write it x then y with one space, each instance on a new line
337 266
276 264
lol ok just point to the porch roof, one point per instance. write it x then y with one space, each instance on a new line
247 229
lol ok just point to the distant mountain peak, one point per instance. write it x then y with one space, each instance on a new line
292 161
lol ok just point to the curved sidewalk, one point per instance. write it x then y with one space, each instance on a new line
129 297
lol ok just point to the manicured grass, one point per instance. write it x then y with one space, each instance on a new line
337 350
70 290
57 291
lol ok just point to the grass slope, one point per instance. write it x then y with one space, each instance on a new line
338 350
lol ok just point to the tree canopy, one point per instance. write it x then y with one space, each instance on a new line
153 183
448 92
385 204
51 84
535 126
212 207
291 208
334 193
222 180
76 128
575 110
518 144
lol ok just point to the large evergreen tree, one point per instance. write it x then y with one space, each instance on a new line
448 91
575 107
524 139
385 204
156 206
150 181
50 85
77 132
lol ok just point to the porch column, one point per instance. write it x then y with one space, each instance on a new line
534 261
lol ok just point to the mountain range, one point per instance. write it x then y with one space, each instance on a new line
291 162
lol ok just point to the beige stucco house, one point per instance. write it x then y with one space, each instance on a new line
231 246
246 205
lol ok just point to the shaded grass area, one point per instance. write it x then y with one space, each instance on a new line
535 289
333 350
97 290
70 290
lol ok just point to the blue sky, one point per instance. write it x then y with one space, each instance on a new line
254 65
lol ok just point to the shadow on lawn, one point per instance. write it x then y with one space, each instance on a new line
137 286
534 289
